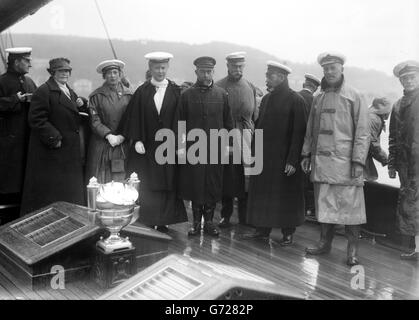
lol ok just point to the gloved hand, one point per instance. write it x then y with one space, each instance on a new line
289 170
112 139
79 102
139 147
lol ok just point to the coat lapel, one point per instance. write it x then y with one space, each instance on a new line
168 97
63 99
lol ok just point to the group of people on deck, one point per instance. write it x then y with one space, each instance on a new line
324 143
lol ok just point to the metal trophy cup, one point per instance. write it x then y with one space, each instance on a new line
114 204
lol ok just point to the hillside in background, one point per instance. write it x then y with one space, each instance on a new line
86 53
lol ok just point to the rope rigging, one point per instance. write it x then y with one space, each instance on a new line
124 80
106 29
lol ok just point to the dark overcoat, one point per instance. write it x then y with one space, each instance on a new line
276 200
404 157
159 204
14 130
204 108
53 174
308 99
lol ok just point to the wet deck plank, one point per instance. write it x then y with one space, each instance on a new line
320 277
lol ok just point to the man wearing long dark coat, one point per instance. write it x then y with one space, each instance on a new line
154 107
242 101
204 106
276 196
404 153
310 86
16 89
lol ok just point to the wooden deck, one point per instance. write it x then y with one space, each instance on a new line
322 277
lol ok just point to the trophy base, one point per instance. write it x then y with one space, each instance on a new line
114 246
110 269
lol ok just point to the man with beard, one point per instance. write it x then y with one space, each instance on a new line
204 107
15 95
335 150
276 196
242 101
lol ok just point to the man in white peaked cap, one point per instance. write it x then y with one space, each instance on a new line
242 102
16 90
276 196
154 106
335 150
310 86
404 151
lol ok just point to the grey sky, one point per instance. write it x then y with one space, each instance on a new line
372 33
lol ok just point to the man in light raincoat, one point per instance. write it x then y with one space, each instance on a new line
335 149
378 113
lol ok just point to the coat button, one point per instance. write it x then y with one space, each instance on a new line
77 131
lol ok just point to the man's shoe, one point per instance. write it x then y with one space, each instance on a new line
326 238
320 249
414 256
195 230
352 261
163 229
286 241
197 212
210 229
224 223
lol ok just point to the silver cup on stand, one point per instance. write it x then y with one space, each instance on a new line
113 204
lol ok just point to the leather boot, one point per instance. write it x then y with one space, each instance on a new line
209 227
326 237
287 236
196 224
352 234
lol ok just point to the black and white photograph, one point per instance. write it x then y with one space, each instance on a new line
209 150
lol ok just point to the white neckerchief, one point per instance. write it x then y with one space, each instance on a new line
160 91
64 89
